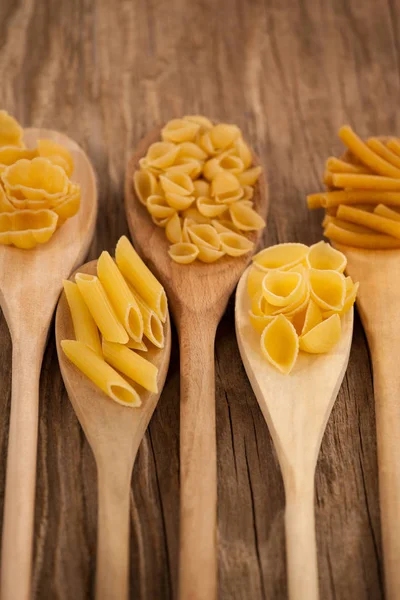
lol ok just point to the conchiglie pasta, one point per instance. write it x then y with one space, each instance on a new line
281 256
328 289
280 344
194 170
323 256
323 337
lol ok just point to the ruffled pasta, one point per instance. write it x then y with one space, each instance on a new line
11 132
298 296
203 173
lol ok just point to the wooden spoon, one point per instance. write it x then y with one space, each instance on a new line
30 283
114 433
198 294
296 408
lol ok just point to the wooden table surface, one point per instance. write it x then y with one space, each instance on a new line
289 73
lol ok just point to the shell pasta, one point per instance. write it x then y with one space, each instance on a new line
200 173
109 305
298 296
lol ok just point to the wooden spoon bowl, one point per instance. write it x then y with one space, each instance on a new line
198 294
30 283
114 433
296 408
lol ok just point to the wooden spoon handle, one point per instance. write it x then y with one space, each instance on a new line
112 571
301 550
19 502
198 471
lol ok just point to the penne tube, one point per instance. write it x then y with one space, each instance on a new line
346 225
141 278
384 152
101 308
327 178
371 241
359 197
336 165
366 155
152 325
394 145
366 182
373 221
121 297
102 375
384 211
132 365
85 327
140 346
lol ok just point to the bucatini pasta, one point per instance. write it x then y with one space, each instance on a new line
298 296
109 305
364 193
200 174
35 187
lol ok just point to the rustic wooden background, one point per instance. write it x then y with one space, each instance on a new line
289 73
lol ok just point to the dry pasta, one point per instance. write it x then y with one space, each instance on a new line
202 172
298 295
35 186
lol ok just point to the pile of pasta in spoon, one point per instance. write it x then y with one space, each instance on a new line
116 315
36 193
362 203
198 183
298 296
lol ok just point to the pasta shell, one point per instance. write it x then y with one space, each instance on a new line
223 135
281 256
201 188
185 230
245 218
209 255
242 150
297 307
209 208
179 202
57 154
224 162
248 193
205 124
11 132
323 337
160 222
235 244
191 150
281 288
250 176
223 226
224 186
183 253
69 205
351 295
146 166
180 130
313 317
204 235
10 154
280 344
328 289
35 179
159 208
323 256
26 228
189 166
145 184
259 322
193 214
173 230
177 183
254 280
162 155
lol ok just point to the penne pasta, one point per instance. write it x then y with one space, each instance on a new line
366 182
152 326
346 225
360 240
384 211
353 197
366 155
139 346
394 145
124 303
132 365
336 165
373 221
85 328
141 278
100 373
384 152
101 308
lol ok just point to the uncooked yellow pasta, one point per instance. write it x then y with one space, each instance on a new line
10 154
85 328
365 182
204 235
102 375
366 155
101 309
297 297
152 326
26 229
384 152
336 165
360 240
141 278
198 172
11 132
373 221
140 346
385 211
394 146
134 366
57 154
356 197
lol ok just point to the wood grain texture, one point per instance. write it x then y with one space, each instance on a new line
289 73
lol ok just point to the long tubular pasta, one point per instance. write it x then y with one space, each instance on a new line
183 253
135 271
360 240
365 182
234 244
333 199
373 221
145 185
102 375
384 211
121 297
366 155
327 178
85 327
336 165
132 365
394 146
173 230
384 152
245 218
101 308
152 325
